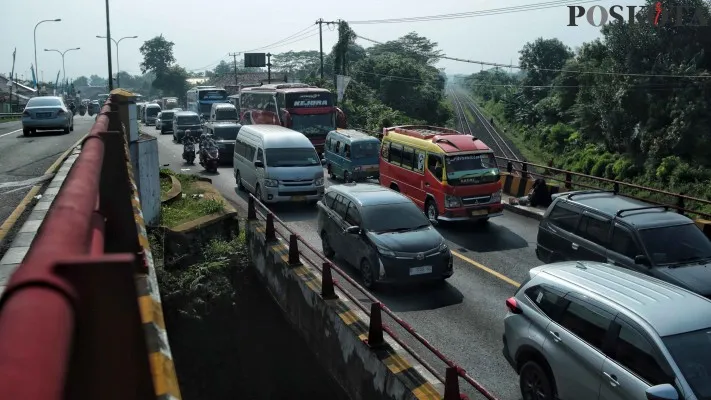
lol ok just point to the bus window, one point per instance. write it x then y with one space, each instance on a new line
434 165
347 151
419 165
395 153
338 147
385 151
408 157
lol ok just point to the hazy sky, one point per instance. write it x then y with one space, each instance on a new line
205 31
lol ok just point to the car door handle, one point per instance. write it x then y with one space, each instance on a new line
574 246
613 379
556 336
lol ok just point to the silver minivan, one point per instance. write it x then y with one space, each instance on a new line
277 164
584 330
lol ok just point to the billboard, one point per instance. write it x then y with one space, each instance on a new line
255 60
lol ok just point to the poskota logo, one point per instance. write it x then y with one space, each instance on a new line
657 15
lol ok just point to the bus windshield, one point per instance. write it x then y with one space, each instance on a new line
313 125
471 169
365 150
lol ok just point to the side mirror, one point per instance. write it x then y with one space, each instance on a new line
323 161
642 260
353 230
434 222
259 164
662 392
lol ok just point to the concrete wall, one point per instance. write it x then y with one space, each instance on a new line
335 330
148 176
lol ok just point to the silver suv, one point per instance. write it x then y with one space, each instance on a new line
589 331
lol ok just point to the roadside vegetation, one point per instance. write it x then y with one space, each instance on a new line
191 205
649 129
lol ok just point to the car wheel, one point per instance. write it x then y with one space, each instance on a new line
534 382
156 127
26 132
367 274
238 179
66 130
326 245
71 127
431 209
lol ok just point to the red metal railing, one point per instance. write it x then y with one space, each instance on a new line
376 326
69 320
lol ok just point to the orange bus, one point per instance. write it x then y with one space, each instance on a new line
451 176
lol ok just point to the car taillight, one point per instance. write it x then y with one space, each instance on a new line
26 113
512 305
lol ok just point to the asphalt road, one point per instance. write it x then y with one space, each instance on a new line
24 160
464 319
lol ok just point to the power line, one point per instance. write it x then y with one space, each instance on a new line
298 34
472 14
500 65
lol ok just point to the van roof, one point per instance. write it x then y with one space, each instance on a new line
186 113
640 214
669 309
223 105
276 136
354 135
149 105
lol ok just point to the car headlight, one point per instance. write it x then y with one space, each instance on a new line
386 252
318 182
451 201
443 247
271 183
496 197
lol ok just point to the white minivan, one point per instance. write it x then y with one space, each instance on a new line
277 164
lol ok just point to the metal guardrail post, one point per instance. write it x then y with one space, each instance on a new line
294 250
270 232
680 203
616 188
524 171
509 167
328 291
568 180
375 330
251 209
451 385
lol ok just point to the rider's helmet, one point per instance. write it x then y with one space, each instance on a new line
187 134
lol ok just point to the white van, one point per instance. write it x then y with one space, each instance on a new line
277 164
223 112
151 111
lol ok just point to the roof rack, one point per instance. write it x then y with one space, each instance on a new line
620 212
421 131
590 192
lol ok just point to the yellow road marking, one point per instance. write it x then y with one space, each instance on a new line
487 269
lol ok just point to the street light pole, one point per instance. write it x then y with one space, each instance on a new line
108 46
118 66
62 53
35 38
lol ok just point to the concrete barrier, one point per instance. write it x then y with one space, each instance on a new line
336 330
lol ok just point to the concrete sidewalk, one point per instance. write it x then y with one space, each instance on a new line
23 239
527 211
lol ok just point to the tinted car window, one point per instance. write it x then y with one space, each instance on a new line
341 205
594 229
676 244
226 132
392 217
329 198
353 216
586 322
623 242
634 352
550 303
292 157
188 120
691 352
44 102
563 217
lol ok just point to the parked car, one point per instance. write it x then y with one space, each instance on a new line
46 113
383 233
580 330
607 227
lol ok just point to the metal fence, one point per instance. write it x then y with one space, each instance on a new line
258 211
4 116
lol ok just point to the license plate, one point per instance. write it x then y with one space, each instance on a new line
298 198
479 212
44 115
426 269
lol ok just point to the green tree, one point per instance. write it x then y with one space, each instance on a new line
81 81
96 80
413 46
173 82
157 55
346 38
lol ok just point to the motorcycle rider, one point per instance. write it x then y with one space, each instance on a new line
187 140
207 142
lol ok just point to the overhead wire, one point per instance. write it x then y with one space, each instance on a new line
299 34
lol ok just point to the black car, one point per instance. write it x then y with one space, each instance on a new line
383 233
607 227
225 134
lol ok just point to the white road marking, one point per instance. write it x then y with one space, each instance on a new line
10 133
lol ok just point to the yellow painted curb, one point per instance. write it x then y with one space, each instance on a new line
12 219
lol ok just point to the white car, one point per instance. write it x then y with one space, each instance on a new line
47 113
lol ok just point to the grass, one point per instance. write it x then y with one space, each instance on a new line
191 205
165 185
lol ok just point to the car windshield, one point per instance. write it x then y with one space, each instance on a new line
189 120
395 217
44 102
676 244
296 157
226 114
313 125
691 352
152 111
225 132
471 169
166 115
365 149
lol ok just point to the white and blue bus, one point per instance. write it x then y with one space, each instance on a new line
201 98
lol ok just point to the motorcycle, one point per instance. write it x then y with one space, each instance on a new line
209 158
189 152
82 110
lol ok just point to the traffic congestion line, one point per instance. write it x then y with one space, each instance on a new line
486 269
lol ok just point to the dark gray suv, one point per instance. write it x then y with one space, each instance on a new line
383 233
607 227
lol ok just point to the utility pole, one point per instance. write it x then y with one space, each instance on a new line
269 67
320 23
234 58
108 47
